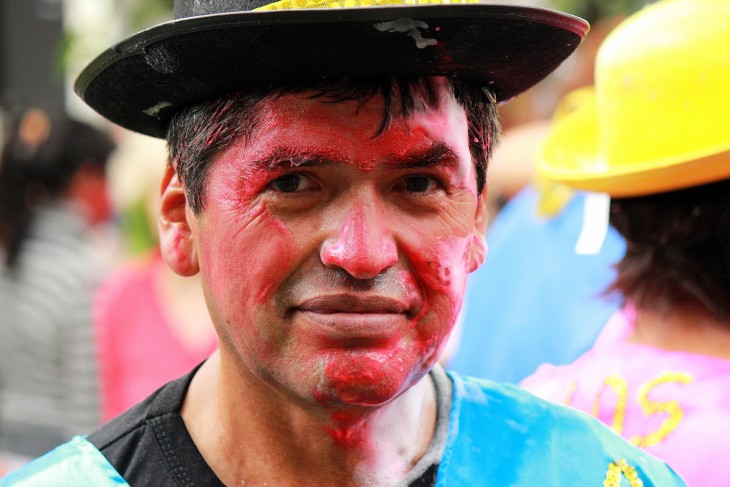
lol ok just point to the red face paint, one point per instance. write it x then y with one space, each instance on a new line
350 436
340 282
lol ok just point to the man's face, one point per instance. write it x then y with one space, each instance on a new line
333 260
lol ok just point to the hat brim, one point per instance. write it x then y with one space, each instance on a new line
142 81
572 154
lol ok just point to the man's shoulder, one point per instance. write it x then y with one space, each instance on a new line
526 437
133 437
132 424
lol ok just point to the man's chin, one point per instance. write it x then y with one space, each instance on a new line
366 380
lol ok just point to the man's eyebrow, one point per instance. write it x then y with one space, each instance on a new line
286 158
283 158
436 155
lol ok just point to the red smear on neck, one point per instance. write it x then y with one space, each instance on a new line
349 431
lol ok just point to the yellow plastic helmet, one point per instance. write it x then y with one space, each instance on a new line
660 117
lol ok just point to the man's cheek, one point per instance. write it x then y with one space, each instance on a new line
239 270
441 271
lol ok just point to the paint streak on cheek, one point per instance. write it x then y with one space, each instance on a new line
281 240
442 273
414 292
245 275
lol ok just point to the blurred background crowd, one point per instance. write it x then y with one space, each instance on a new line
91 320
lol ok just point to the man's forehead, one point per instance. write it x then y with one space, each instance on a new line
371 112
292 139
302 129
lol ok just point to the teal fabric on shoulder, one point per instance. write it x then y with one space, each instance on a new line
501 435
76 463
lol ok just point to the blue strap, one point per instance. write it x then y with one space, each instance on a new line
74 464
500 435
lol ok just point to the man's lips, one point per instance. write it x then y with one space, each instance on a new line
347 316
345 303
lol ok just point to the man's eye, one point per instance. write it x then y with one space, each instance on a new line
419 184
288 183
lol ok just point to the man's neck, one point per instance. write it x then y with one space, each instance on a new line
259 436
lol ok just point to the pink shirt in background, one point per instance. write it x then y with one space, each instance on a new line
138 348
675 405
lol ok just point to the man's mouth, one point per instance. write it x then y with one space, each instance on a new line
346 316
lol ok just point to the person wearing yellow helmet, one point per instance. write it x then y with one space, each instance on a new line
656 141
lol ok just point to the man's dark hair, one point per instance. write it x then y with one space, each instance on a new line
677 249
199 132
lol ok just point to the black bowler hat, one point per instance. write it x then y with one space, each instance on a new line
216 47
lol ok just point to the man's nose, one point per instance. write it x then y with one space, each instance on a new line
365 246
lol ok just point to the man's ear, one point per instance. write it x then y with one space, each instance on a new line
176 238
478 251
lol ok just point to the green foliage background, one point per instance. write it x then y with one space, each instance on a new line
145 13
594 10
